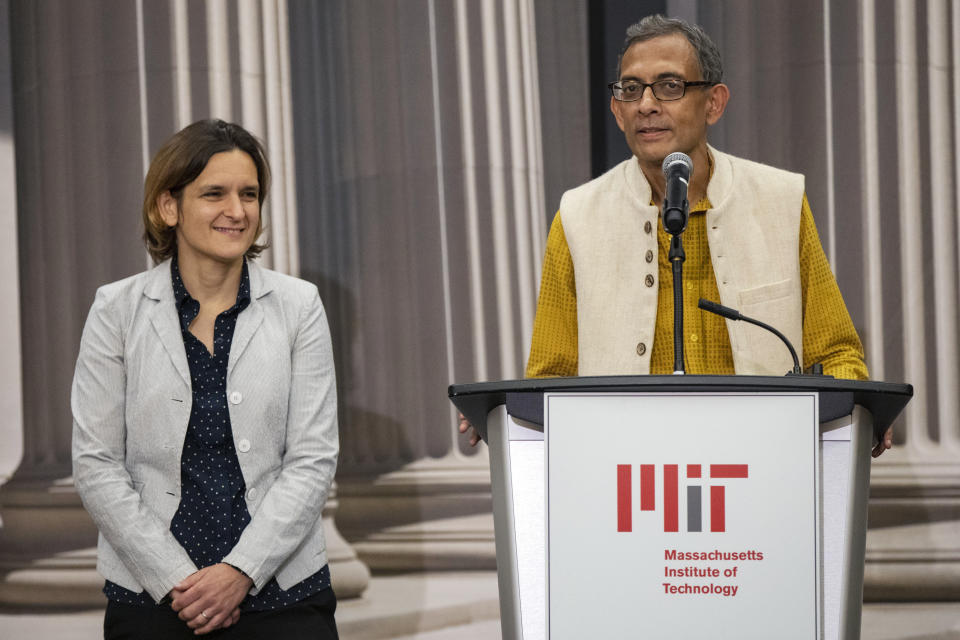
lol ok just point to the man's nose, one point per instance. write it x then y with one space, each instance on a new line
648 102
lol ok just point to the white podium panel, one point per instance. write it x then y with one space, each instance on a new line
697 513
651 520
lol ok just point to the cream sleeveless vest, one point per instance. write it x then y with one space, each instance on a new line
753 235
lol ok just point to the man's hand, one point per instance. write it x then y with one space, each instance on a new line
209 599
466 427
884 444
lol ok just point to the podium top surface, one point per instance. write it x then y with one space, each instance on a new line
524 398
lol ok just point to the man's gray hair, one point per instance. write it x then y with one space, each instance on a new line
708 55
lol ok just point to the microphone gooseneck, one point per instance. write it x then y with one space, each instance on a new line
677 169
733 314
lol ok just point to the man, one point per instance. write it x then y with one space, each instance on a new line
606 304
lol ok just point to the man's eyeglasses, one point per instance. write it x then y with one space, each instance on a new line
663 90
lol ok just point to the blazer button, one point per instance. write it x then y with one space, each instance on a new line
243 446
649 255
647 227
649 280
252 493
236 397
641 349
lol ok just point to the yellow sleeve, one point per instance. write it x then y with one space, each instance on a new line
553 349
829 336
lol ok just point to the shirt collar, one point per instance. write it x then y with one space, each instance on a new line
180 292
704 203
181 295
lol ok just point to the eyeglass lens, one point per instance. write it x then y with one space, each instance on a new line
669 89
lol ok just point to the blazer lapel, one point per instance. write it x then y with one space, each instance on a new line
250 319
163 317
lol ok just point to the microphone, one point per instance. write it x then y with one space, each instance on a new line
733 314
677 169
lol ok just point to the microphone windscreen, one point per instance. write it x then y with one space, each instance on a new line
678 161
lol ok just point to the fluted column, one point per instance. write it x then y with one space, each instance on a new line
913 547
423 222
97 87
78 167
864 99
11 399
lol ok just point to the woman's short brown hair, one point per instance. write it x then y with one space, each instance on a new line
178 163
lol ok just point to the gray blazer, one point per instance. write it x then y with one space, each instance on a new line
131 402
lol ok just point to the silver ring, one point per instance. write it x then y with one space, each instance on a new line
205 616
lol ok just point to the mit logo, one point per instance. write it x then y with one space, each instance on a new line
671 495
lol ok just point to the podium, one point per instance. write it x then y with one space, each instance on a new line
680 506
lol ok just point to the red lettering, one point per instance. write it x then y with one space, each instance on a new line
717 514
670 498
624 498
728 471
648 485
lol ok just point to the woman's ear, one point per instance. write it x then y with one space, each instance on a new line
169 208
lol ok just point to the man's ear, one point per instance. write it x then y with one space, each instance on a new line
615 109
169 208
717 98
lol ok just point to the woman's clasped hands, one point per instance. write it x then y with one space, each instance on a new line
209 599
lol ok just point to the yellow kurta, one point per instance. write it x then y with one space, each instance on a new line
829 336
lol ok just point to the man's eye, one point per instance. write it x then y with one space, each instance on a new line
631 88
671 85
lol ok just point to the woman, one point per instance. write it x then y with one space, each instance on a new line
204 404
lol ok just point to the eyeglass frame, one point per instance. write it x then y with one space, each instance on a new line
686 83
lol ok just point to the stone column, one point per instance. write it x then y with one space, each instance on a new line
423 222
97 86
863 99
11 399
78 166
913 545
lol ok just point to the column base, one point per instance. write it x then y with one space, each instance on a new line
924 580
48 554
913 540
349 576
430 515
65 581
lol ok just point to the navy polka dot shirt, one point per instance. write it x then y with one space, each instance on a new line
213 511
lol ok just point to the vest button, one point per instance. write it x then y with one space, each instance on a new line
649 280
647 227
649 255
641 349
